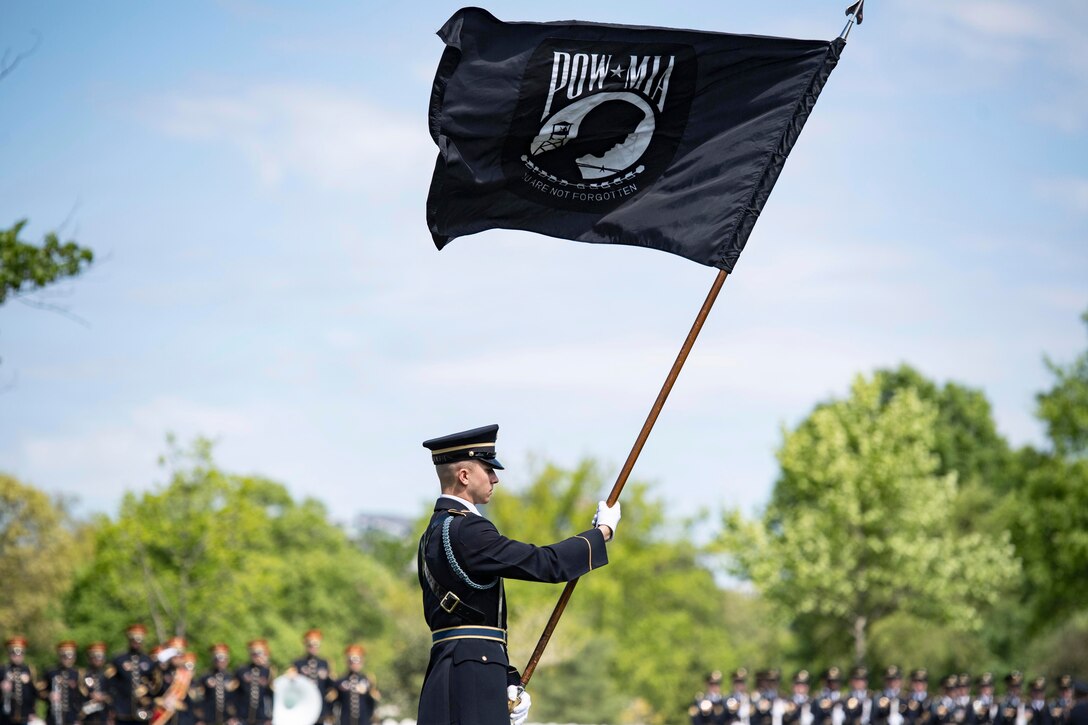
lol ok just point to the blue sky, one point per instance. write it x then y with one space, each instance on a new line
252 177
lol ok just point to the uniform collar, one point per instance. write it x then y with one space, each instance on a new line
468 505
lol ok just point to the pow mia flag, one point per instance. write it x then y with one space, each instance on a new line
660 138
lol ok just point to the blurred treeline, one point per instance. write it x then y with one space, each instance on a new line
903 529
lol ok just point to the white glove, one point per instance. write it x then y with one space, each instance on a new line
167 654
607 515
521 700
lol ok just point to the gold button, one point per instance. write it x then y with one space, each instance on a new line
484 658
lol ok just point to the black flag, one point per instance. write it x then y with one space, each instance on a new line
668 139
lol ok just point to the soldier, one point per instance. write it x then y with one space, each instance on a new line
130 687
60 687
253 698
797 710
1011 710
1078 713
461 562
918 704
215 690
355 694
737 705
1036 706
94 685
765 707
891 706
984 707
942 709
1063 702
17 685
709 706
963 697
827 706
174 703
858 706
312 666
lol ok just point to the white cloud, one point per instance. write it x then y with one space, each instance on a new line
331 137
98 463
1068 191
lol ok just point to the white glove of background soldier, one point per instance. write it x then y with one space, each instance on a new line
519 696
607 515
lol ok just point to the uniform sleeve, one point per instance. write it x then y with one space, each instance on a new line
486 551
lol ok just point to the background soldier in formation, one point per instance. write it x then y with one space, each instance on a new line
215 690
984 707
1037 709
254 696
130 687
942 708
736 705
827 706
354 695
1011 711
94 686
798 710
857 708
890 707
765 708
709 706
1063 702
954 706
60 687
918 703
17 685
313 666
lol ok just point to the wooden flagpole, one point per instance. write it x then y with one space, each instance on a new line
625 472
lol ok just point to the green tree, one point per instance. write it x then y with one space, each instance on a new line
638 635
860 528
1064 408
217 557
26 268
38 552
1049 515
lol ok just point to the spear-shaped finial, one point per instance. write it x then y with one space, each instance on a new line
856 12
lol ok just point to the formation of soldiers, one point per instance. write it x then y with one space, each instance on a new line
162 687
893 705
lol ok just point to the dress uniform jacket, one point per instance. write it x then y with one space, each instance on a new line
796 710
215 695
63 683
317 670
464 557
19 701
94 693
857 708
708 709
253 698
354 698
131 686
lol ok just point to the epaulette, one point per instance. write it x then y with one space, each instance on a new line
332 694
110 672
458 512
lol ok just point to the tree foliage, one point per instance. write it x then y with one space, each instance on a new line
1064 408
859 527
25 267
220 557
637 635
38 552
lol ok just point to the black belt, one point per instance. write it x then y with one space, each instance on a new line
468 632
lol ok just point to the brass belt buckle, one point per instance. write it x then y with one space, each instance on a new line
449 602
